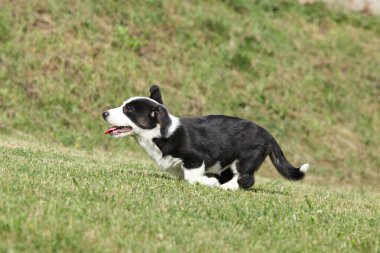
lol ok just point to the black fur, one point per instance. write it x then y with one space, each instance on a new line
224 139
155 94
211 140
142 113
163 119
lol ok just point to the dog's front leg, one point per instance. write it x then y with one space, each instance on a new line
197 175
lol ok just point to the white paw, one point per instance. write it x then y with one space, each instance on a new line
230 185
210 181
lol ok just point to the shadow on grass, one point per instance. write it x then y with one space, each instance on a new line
163 176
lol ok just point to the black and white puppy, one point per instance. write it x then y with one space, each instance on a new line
213 150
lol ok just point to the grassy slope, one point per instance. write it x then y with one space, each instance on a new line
59 199
309 75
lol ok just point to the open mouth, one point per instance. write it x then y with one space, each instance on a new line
118 131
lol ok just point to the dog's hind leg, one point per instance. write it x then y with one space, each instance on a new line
248 165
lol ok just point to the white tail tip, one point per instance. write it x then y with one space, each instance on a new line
304 168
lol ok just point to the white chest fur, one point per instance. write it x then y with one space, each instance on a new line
167 163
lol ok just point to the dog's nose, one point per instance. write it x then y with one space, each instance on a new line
105 115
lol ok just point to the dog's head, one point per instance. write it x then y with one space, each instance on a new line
147 117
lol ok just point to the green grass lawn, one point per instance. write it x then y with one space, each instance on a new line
62 199
308 74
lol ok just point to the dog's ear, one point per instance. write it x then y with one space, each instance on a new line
162 116
155 94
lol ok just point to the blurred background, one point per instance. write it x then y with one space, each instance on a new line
308 71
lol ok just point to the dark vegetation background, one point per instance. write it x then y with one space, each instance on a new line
309 75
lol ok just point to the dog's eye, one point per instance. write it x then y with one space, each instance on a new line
127 108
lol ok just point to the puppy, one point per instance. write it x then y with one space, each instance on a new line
214 150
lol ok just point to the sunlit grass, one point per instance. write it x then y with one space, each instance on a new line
308 74
58 199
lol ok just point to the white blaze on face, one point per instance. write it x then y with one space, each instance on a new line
121 123
118 118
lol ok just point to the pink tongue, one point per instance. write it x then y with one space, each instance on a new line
110 130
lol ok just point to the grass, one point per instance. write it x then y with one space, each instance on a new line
61 199
308 74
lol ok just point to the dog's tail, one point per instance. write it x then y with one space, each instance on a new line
283 166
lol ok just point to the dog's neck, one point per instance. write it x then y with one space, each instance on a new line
175 122
150 134
153 143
